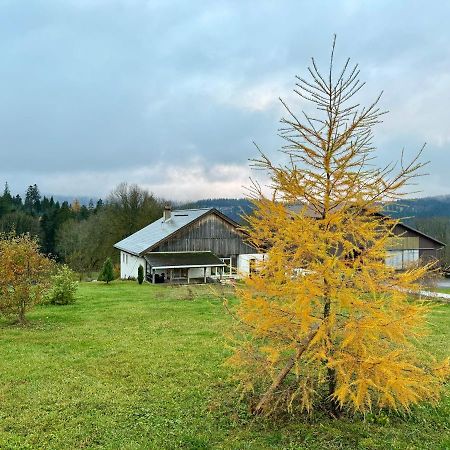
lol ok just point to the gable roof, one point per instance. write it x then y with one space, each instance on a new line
421 233
158 231
311 212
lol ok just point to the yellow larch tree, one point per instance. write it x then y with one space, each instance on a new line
324 320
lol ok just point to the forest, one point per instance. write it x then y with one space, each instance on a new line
82 236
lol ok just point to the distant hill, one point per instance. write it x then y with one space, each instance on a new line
409 209
234 208
421 207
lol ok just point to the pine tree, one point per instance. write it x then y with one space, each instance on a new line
32 202
324 319
107 272
7 192
6 201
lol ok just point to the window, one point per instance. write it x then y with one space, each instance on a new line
401 259
227 270
179 273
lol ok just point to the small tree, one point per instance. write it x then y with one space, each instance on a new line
325 319
107 272
63 287
140 274
24 275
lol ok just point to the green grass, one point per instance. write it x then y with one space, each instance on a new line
443 290
141 367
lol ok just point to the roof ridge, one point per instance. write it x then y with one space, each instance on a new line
194 209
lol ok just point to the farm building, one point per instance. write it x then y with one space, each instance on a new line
410 246
186 245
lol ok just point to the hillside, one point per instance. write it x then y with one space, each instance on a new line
234 208
421 207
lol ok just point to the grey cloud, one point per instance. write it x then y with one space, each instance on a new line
108 87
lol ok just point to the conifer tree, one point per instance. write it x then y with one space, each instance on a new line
140 274
7 192
324 320
32 200
107 272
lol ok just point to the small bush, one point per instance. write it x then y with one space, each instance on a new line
107 272
63 287
140 274
24 275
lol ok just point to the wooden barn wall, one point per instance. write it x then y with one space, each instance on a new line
209 233
424 242
429 255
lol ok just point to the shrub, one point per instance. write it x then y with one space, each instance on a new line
140 274
63 289
24 275
107 272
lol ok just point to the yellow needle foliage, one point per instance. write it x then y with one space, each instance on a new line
324 320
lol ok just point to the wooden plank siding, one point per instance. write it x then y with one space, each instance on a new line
209 233
428 249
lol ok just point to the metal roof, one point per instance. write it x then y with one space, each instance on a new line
171 260
159 230
309 211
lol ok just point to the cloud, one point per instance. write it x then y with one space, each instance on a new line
175 182
95 90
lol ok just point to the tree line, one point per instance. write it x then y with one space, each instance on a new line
79 235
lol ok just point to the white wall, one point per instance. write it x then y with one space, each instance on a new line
129 265
243 263
197 272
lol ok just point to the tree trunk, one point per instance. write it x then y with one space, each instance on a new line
21 317
334 406
261 406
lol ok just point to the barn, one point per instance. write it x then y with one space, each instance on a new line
411 246
188 245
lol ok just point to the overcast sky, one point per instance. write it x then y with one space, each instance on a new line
171 94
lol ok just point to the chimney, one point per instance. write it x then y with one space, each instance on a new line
167 213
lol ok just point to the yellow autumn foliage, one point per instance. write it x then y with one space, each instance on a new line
324 318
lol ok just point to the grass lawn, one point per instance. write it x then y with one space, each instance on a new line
141 367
